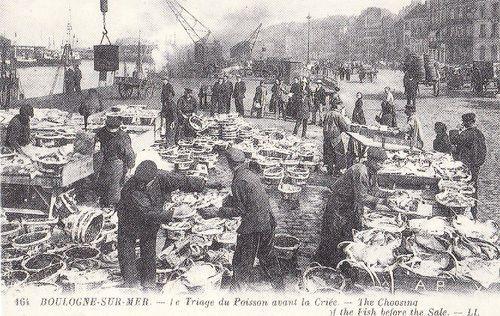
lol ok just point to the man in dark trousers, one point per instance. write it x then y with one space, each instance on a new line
239 95
258 101
249 201
226 93
344 208
78 79
18 133
215 100
319 103
168 108
140 214
118 158
302 110
411 89
186 106
69 80
470 148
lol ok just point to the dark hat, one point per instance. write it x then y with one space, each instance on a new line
376 154
235 155
113 121
188 89
469 118
146 171
440 126
26 110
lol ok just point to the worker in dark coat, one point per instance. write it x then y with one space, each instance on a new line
226 93
186 107
334 125
477 79
442 142
118 159
411 89
343 211
470 148
258 101
273 104
18 133
140 214
239 95
387 115
303 108
296 98
168 108
355 150
348 73
78 79
69 80
249 200
215 100
319 103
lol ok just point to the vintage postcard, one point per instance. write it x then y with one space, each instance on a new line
219 157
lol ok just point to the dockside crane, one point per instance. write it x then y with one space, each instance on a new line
243 50
196 30
207 53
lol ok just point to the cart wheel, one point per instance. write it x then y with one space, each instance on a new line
125 91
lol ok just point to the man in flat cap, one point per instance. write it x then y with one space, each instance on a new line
470 148
186 106
239 95
140 214
249 201
350 193
118 158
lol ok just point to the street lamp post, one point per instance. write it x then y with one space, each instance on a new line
308 37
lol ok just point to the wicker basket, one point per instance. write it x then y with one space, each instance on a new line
286 246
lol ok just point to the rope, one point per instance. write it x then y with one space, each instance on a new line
105 31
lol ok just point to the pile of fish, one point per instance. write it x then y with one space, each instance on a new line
457 248
203 245
426 164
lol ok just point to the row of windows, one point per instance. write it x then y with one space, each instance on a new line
441 15
493 33
494 53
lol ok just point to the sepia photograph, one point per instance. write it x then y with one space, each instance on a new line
252 157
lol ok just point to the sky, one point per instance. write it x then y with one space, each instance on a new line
32 22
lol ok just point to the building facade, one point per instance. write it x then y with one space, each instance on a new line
369 35
463 31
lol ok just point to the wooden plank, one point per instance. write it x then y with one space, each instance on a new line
23 211
76 170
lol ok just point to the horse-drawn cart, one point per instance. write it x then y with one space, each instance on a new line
128 85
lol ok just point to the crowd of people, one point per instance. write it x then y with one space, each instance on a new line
139 197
